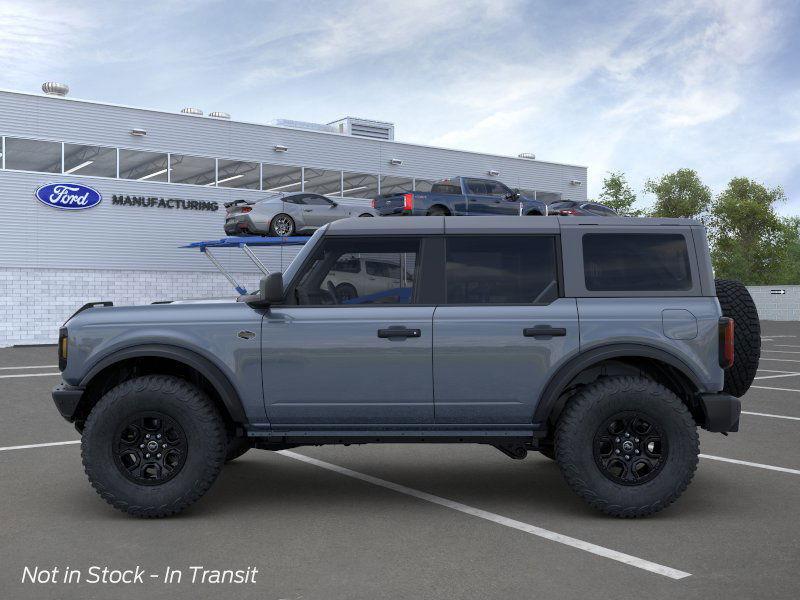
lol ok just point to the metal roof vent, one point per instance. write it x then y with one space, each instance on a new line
219 115
527 155
192 111
51 88
303 125
376 130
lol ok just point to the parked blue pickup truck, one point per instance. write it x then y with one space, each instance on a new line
463 196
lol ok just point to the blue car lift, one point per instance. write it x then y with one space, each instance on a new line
245 243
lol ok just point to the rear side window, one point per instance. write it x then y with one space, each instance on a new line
501 270
638 262
446 186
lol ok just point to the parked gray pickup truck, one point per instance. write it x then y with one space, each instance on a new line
600 342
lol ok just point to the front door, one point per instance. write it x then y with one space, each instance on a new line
490 198
346 349
319 210
503 329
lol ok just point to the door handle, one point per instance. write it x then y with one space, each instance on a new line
544 331
399 332
308 210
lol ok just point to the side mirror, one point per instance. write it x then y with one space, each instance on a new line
334 204
270 289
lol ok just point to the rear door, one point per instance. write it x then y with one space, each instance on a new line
503 329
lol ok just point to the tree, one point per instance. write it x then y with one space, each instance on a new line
617 194
750 241
679 194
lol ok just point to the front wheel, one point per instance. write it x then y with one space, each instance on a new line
153 445
627 445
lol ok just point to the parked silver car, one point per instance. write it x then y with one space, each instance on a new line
284 214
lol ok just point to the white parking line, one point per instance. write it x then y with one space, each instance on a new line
39 445
776 376
780 359
744 412
33 367
634 561
785 346
763 387
29 375
751 464
781 351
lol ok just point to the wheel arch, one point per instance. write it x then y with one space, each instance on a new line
161 358
444 207
661 365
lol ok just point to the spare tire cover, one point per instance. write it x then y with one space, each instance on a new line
737 304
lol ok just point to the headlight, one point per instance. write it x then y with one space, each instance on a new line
62 348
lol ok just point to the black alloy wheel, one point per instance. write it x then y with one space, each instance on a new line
630 448
150 448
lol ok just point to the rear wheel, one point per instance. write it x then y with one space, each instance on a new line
282 225
153 445
437 211
736 303
627 445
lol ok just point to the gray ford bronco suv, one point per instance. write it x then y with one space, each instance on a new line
603 343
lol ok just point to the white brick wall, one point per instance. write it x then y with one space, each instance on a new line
35 302
777 307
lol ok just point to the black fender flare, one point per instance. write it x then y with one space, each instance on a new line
568 371
219 381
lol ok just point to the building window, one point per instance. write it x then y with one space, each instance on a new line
97 161
359 185
144 166
396 185
321 181
194 170
237 174
423 185
33 155
280 178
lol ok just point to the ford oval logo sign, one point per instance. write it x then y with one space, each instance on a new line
68 196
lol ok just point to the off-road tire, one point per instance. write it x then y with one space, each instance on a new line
737 304
205 444
585 414
237 446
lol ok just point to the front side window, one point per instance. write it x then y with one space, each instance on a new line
501 270
495 188
97 161
144 166
639 262
33 155
315 200
335 276
477 187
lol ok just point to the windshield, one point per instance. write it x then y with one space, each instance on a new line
291 270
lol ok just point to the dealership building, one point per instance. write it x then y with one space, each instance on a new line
162 179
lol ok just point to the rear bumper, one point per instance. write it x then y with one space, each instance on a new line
721 412
67 399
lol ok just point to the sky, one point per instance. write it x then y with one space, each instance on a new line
639 87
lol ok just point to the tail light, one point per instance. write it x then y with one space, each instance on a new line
62 348
568 212
247 209
726 326
408 202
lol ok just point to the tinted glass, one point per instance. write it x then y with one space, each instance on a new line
446 187
238 174
144 166
33 155
600 209
316 200
196 170
90 160
335 276
642 262
501 270
280 178
360 185
476 186
495 188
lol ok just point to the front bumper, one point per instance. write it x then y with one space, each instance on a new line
721 412
67 399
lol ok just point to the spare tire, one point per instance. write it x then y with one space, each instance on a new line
737 304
